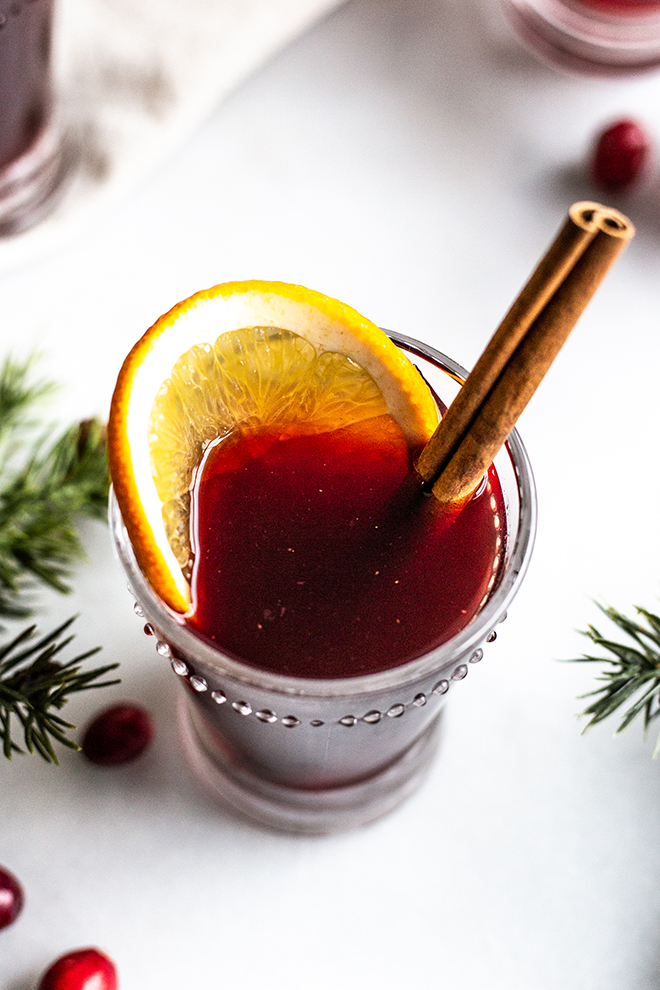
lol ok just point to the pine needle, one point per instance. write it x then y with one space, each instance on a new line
47 485
34 686
631 675
18 394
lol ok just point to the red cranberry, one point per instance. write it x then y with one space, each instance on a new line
85 969
118 735
619 156
11 898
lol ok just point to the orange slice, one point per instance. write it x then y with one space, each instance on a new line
240 356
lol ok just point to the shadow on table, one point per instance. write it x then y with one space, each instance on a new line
25 983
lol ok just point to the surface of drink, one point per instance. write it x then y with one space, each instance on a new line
623 7
25 83
319 555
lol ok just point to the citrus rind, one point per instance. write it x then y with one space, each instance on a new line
237 320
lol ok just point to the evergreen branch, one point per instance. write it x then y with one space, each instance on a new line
18 394
57 483
47 484
632 671
34 687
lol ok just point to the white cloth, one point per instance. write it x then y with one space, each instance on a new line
135 79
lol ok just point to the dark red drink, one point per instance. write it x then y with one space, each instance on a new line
30 153
625 7
319 556
25 81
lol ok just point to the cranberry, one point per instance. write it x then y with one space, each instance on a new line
619 156
119 734
11 898
85 969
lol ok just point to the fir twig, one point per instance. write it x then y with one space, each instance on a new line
34 686
47 484
631 676
44 492
19 395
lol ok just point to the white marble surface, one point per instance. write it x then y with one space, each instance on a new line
408 157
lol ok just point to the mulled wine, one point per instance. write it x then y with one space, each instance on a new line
25 89
30 153
623 7
301 709
599 37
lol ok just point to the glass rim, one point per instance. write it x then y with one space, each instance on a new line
182 638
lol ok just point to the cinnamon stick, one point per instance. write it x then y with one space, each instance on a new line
521 351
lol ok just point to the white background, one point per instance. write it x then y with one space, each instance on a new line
408 157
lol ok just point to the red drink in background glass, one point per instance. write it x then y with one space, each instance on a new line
630 7
29 145
25 84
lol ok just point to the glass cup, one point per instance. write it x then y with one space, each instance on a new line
30 146
601 37
316 756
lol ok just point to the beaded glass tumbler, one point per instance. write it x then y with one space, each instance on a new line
316 756
598 37
30 146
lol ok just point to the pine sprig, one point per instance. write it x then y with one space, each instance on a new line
34 686
48 483
19 394
632 673
46 486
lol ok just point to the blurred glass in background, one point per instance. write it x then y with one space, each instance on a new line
30 147
600 37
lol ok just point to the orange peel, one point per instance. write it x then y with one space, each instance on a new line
240 356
